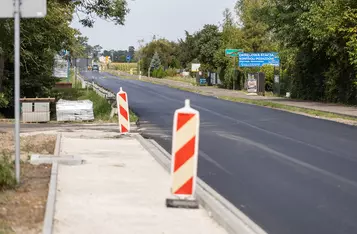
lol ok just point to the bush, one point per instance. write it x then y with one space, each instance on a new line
67 94
7 178
160 73
154 73
171 72
269 77
3 101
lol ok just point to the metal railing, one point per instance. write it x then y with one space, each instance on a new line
107 94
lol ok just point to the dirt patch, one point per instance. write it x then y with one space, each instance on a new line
22 209
40 144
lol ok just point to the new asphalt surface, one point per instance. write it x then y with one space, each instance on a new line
289 173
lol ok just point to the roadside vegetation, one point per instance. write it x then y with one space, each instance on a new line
316 42
101 107
31 194
44 38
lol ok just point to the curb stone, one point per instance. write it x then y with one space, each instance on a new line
221 210
51 201
58 144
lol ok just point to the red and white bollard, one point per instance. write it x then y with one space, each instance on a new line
123 111
184 159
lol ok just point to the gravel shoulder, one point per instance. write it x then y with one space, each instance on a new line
22 209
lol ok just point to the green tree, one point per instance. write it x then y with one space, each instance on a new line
166 50
255 30
188 50
155 63
232 37
112 10
207 43
319 45
42 39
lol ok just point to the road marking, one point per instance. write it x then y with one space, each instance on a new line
211 160
277 154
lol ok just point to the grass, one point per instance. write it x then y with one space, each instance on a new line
294 109
101 106
7 179
63 80
191 81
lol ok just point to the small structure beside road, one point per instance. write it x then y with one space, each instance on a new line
35 110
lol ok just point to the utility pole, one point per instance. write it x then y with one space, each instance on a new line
17 88
15 9
139 52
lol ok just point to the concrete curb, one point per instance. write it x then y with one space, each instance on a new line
51 201
221 210
6 120
37 159
58 144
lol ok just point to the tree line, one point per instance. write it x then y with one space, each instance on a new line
120 56
42 39
316 42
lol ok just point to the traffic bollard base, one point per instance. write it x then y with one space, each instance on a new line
180 203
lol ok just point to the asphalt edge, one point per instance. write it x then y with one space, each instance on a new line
51 201
221 210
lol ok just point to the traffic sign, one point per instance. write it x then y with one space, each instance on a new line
123 111
128 58
258 59
233 52
185 140
28 8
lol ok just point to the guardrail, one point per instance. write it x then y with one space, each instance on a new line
98 89
107 94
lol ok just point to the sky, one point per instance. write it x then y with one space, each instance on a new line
164 18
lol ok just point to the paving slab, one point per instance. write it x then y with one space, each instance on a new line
119 189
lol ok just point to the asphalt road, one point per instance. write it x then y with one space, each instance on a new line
289 173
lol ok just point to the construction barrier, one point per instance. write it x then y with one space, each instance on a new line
184 157
123 111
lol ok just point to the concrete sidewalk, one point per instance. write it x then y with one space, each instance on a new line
119 189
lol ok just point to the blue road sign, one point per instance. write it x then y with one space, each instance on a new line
258 59
128 58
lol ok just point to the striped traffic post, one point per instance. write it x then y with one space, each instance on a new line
185 141
123 111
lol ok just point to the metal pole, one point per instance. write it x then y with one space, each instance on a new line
68 67
17 89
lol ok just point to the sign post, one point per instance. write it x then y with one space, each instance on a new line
17 9
233 53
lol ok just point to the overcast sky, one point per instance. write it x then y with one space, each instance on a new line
163 18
